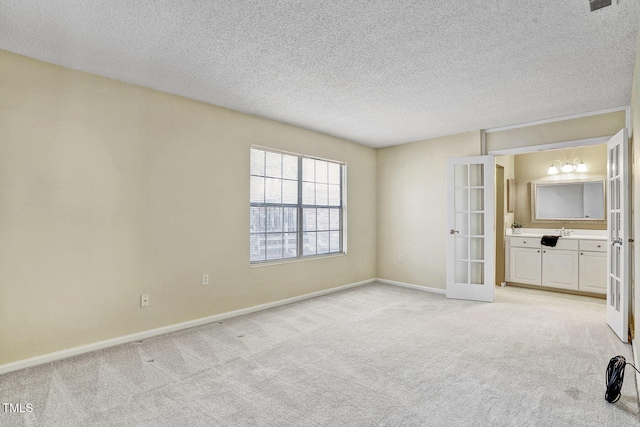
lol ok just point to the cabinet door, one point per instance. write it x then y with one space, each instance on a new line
593 272
560 269
525 265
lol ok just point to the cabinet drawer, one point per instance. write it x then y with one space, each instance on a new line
525 242
567 245
593 245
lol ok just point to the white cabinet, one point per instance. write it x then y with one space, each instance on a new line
560 268
573 264
593 266
525 263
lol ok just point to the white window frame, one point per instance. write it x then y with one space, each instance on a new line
260 210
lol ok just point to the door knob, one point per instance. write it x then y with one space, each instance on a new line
452 231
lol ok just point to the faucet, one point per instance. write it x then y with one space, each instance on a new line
564 232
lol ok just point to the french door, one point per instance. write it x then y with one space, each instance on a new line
618 288
470 225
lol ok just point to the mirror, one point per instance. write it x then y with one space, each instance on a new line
568 201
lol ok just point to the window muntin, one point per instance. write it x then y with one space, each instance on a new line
296 206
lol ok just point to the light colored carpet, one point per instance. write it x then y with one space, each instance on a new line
377 355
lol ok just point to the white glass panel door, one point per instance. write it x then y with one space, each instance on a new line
618 295
470 228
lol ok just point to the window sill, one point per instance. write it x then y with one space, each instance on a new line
294 260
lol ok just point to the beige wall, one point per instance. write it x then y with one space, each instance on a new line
534 166
600 125
111 190
412 207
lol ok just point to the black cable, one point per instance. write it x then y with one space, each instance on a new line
614 378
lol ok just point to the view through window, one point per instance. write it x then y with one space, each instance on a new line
296 206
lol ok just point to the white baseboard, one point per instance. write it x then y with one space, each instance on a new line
412 286
63 354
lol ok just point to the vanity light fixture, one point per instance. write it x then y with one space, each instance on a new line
553 170
567 167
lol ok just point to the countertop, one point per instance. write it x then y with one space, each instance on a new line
574 234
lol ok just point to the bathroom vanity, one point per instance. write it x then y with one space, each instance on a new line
577 263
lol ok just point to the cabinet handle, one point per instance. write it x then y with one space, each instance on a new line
581 253
599 246
538 251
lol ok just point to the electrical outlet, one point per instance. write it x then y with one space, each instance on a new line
399 258
205 279
144 300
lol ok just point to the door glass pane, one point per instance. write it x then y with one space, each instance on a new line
613 165
477 248
477 199
617 295
461 248
461 223
461 200
461 274
477 224
476 270
612 194
460 175
612 291
476 175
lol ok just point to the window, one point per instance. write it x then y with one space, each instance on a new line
296 206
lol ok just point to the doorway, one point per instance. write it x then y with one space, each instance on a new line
618 292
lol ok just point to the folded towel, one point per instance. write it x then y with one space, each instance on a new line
549 240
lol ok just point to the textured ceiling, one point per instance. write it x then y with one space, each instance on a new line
371 71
